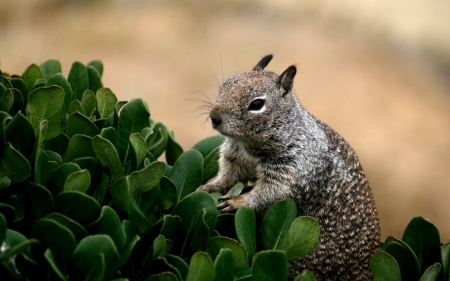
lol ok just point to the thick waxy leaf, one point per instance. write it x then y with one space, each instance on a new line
18 103
445 258
50 67
134 116
270 265
54 264
187 173
245 222
14 165
3 227
109 134
85 258
58 144
201 268
423 238
59 178
6 100
224 266
14 243
139 149
24 141
306 275
77 206
95 170
56 237
165 276
240 256
89 102
173 150
147 178
78 79
168 193
79 146
75 106
198 218
98 65
405 258
77 229
4 118
301 238
20 85
209 144
46 104
95 80
77 123
211 165
106 100
384 267
431 273
108 157
38 202
276 222
109 223
157 142
78 181
31 74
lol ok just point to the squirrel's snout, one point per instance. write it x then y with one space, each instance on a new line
216 119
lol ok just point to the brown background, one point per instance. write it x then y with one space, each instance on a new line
376 71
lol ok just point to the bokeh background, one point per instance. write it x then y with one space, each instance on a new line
378 72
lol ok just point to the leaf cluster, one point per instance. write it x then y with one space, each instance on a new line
83 197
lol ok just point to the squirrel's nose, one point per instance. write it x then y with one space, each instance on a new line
216 119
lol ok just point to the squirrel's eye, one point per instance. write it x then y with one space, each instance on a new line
256 104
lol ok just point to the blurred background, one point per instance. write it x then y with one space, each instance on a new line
378 72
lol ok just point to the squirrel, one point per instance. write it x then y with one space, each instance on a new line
274 142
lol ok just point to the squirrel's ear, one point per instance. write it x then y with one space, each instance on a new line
286 79
263 63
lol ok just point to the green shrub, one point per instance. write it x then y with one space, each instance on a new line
82 196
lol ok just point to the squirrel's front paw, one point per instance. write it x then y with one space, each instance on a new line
231 203
209 188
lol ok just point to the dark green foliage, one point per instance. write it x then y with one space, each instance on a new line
82 196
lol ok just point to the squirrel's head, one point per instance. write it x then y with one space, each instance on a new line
253 105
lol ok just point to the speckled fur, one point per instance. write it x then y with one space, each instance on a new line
287 152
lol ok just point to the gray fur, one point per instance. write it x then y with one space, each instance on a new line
287 152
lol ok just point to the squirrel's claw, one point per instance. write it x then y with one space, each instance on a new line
231 203
209 188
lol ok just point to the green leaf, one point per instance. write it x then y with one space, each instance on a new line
79 146
77 206
78 79
4 118
134 116
77 229
46 104
209 144
431 273
109 134
187 172
301 238
245 223
95 170
226 225
77 123
18 104
159 246
240 256
57 181
14 165
58 144
270 265
139 148
53 263
173 150
170 226
6 100
98 65
3 227
50 67
14 243
157 142
168 193
109 223
211 165
198 218
108 157
306 275
106 100
128 250
24 141
445 258
276 222
31 74
56 237
423 238
78 181
384 267
147 178
85 258
405 258
38 202
224 265
201 268
20 85
95 80
39 84
76 106
89 103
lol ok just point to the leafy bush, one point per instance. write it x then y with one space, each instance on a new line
82 196
419 255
